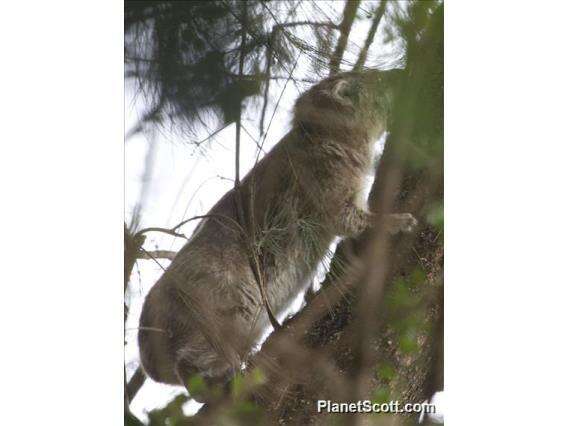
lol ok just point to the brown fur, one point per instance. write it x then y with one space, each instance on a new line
206 311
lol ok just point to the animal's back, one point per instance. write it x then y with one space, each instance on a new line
303 193
209 292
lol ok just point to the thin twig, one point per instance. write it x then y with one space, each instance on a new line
198 143
253 257
173 232
163 230
158 254
135 383
276 108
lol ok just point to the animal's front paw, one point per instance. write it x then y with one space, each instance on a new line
401 222
353 221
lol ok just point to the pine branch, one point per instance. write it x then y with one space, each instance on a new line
250 235
370 36
349 14
152 116
309 23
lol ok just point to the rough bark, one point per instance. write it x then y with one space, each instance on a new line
336 335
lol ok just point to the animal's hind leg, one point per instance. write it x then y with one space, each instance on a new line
203 373
206 388
185 371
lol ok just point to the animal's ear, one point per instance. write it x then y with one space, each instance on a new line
342 91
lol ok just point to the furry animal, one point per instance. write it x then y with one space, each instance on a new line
207 311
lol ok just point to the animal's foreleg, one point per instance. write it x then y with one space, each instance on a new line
400 222
353 220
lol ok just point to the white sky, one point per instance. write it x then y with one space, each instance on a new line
184 183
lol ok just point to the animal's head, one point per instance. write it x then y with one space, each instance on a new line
349 101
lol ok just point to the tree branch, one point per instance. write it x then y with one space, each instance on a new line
151 116
251 235
198 143
370 36
163 230
135 383
310 23
172 231
158 254
349 14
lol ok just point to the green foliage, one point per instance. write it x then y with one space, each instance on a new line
405 292
435 215
246 413
171 414
419 108
237 386
417 142
407 342
417 277
240 411
381 395
196 386
405 303
130 420
258 377
243 384
386 372
185 56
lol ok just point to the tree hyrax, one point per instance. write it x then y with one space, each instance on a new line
206 311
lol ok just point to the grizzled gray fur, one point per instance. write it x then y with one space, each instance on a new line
206 312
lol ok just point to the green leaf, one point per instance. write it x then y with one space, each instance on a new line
258 377
435 216
417 277
408 342
237 385
386 372
196 386
381 395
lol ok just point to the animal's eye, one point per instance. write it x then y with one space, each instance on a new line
352 90
343 89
